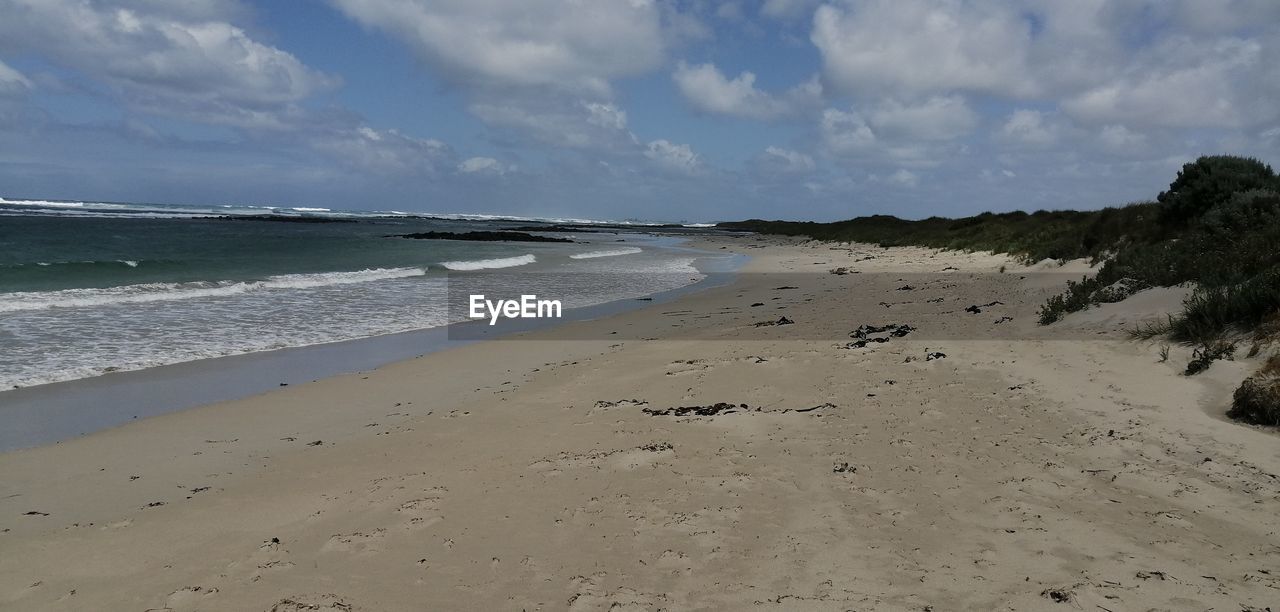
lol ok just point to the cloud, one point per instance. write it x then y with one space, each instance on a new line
560 44
787 9
1187 83
671 156
12 81
846 132
777 161
384 152
579 125
900 178
708 90
164 62
906 47
937 118
483 165
1028 127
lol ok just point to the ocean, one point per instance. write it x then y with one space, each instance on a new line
91 288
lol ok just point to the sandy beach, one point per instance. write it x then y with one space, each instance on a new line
694 455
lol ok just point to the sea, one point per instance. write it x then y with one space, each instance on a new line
89 288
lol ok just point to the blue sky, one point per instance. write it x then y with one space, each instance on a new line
654 109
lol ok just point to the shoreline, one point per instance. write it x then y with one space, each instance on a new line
539 473
55 412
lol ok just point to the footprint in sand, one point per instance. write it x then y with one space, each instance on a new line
589 593
312 603
189 598
356 542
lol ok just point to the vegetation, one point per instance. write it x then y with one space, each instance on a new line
1257 400
1217 227
1040 235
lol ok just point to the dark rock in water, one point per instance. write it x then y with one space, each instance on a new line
935 355
841 271
784 287
479 236
712 410
974 309
657 447
757 304
843 467
906 288
785 321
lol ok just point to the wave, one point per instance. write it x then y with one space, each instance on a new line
485 264
132 263
607 253
157 292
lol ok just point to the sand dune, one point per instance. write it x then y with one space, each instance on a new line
1026 468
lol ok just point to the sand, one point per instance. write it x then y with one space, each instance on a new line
1031 468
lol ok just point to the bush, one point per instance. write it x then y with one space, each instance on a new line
1209 181
1257 399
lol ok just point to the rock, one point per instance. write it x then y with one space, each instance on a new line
935 355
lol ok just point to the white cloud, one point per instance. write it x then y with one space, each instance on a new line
787 9
482 165
1120 139
846 132
12 81
580 125
937 118
1028 127
381 151
1186 83
562 44
780 161
678 157
910 47
708 90
902 178
166 61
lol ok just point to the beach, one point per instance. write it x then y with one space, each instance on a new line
728 450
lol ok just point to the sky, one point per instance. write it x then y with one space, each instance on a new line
664 110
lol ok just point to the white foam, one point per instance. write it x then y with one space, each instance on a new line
486 264
157 292
607 253
305 209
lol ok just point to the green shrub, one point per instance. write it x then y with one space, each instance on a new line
1209 181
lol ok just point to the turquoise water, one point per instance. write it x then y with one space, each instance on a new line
90 289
